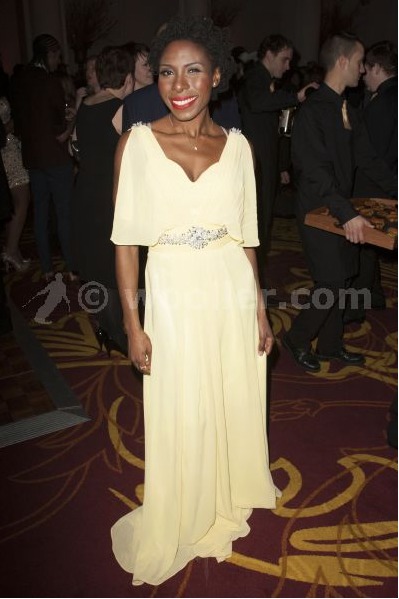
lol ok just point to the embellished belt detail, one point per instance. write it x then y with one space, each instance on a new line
196 237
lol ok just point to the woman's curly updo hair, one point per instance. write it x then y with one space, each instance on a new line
201 31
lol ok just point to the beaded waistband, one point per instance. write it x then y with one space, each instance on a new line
195 237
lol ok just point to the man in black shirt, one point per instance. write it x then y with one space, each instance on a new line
380 113
260 104
328 143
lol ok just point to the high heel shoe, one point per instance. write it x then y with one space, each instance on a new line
14 262
106 342
102 338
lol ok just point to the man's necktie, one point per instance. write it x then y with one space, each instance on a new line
345 116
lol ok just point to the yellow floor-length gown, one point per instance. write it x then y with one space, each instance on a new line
206 457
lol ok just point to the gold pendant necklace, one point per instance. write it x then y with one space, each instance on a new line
194 147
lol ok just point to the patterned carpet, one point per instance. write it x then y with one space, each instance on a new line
334 532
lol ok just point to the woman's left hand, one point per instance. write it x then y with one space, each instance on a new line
266 338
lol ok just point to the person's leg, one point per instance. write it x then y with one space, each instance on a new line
360 300
41 201
304 329
330 343
322 317
311 318
61 183
110 320
5 317
378 301
330 335
21 196
261 250
266 191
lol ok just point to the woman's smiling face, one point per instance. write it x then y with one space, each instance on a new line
186 78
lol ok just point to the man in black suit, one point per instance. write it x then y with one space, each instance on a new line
328 144
380 113
260 104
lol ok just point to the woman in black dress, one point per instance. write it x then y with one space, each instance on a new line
97 137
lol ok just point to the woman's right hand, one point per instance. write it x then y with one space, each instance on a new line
140 350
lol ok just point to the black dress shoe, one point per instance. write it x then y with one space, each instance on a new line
343 355
302 357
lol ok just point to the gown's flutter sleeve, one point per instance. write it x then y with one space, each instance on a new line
249 226
133 216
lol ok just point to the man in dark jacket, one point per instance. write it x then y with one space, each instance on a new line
38 104
260 104
328 144
380 113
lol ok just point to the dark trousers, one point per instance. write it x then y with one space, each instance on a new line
368 280
54 183
321 317
5 317
265 192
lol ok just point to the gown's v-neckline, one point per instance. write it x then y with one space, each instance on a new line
160 148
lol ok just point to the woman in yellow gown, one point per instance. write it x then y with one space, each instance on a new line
186 189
